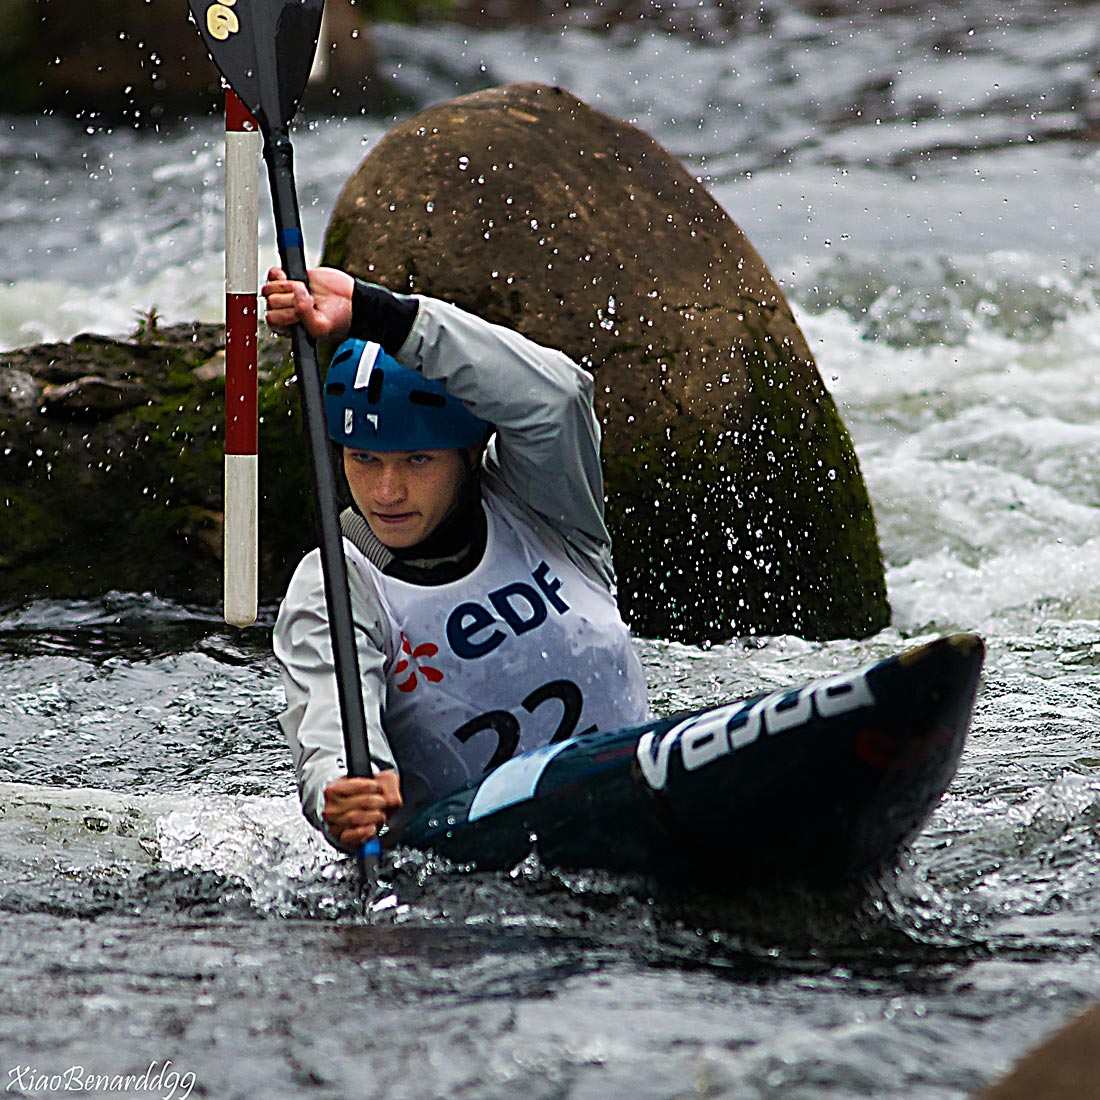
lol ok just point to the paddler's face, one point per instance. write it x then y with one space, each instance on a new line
406 495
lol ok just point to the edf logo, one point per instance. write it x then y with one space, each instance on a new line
472 629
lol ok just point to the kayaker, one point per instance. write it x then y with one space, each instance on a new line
479 562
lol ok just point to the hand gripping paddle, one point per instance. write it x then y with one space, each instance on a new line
264 49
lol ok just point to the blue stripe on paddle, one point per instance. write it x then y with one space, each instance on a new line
291 238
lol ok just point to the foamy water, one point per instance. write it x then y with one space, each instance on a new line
900 174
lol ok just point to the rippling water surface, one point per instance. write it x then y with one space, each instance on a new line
925 185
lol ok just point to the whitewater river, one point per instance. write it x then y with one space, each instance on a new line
924 187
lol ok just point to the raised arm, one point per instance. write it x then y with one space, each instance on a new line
547 449
546 453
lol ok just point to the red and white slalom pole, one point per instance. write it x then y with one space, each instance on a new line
242 184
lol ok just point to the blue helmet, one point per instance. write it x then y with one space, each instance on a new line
374 403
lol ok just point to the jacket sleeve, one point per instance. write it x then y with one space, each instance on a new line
546 453
311 721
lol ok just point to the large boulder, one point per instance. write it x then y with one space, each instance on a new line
734 494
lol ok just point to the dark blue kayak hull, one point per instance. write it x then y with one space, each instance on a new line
821 782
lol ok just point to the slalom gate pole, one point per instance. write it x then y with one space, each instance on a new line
242 185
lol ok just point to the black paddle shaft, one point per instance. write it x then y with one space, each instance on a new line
264 49
279 156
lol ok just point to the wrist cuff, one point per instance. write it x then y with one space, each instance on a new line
379 315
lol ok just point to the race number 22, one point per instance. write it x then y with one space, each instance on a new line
507 726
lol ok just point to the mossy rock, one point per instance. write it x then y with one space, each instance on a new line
124 495
734 493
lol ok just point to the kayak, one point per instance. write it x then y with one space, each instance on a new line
823 782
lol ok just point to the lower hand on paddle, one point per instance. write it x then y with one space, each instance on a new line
323 308
357 808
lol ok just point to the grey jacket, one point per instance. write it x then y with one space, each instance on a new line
544 460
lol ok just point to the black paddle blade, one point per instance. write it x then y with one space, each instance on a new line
264 49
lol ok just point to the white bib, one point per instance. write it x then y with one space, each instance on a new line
523 651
